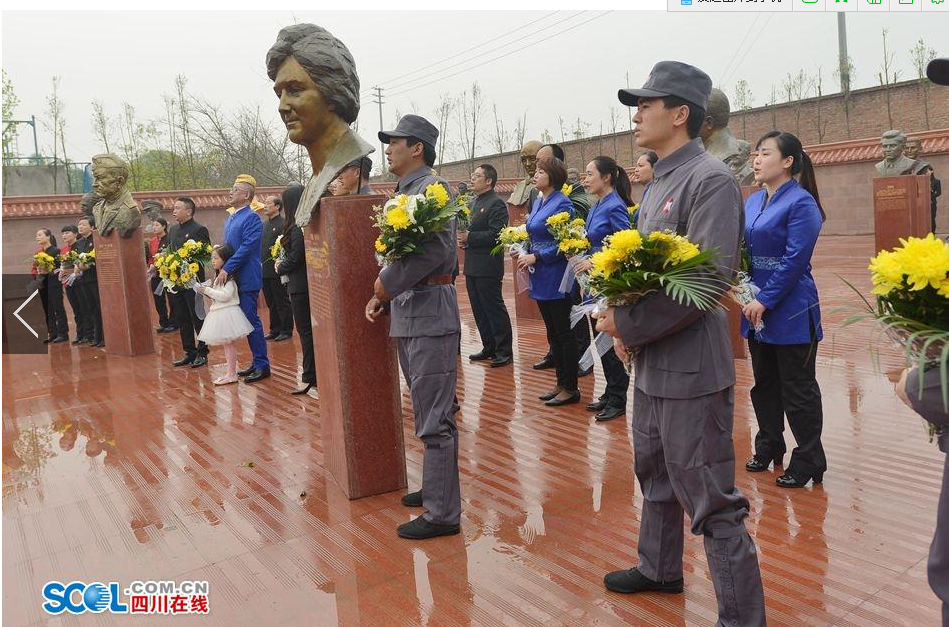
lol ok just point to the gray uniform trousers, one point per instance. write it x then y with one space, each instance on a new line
685 460
430 367
938 565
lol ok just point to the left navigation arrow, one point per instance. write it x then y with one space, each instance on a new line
17 314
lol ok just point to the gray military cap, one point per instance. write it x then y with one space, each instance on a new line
412 126
672 78
938 71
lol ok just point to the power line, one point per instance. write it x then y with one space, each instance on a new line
475 47
506 54
408 84
740 44
763 28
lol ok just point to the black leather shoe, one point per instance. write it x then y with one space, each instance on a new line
630 581
599 405
48 340
303 390
551 394
497 362
791 480
412 499
758 464
610 413
77 341
282 337
100 344
544 364
246 371
481 356
184 361
199 361
60 339
570 400
256 375
585 373
421 529
271 336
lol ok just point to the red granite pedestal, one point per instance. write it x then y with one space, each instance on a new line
525 307
124 294
901 208
356 361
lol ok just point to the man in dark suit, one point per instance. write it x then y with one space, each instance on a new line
89 286
189 324
484 272
275 291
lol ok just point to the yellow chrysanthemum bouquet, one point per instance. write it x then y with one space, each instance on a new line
911 284
512 239
571 236
407 222
179 268
44 262
630 266
87 260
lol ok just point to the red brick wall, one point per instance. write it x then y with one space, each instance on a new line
867 117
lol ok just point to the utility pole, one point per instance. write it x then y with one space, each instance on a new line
844 58
382 149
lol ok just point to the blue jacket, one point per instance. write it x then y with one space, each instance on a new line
606 217
781 238
551 265
243 230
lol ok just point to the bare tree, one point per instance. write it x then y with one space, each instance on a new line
563 135
171 127
546 137
469 115
10 102
797 87
501 137
101 125
820 122
520 131
580 132
184 121
772 106
743 102
614 124
54 109
884 76
922 55
845 74
446 105
632 141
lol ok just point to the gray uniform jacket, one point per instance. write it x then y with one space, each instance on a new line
930 405
423 310
685 352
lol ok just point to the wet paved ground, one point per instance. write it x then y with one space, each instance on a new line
120 470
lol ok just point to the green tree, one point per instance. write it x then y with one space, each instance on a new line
10 102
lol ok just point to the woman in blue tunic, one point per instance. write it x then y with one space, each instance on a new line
782 223
608 182
549 266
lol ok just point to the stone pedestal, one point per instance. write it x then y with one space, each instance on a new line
901 208
525 307
356 361
124 294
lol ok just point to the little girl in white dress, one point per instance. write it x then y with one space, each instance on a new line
225 321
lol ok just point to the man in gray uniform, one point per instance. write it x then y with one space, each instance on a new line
424 309
684 396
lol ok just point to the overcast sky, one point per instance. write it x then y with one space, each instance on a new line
573 71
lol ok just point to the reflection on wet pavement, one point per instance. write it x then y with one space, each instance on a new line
122 470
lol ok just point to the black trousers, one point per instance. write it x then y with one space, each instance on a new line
91 311
300 305
617 379
562 340
786 384
51 294
72 295
490 314
189 324
582 334
281 318
162 305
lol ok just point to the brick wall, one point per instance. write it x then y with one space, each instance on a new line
867 118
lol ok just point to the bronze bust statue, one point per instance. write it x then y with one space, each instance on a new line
116 209
89 201
895 163
720 142
315 79
522 190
